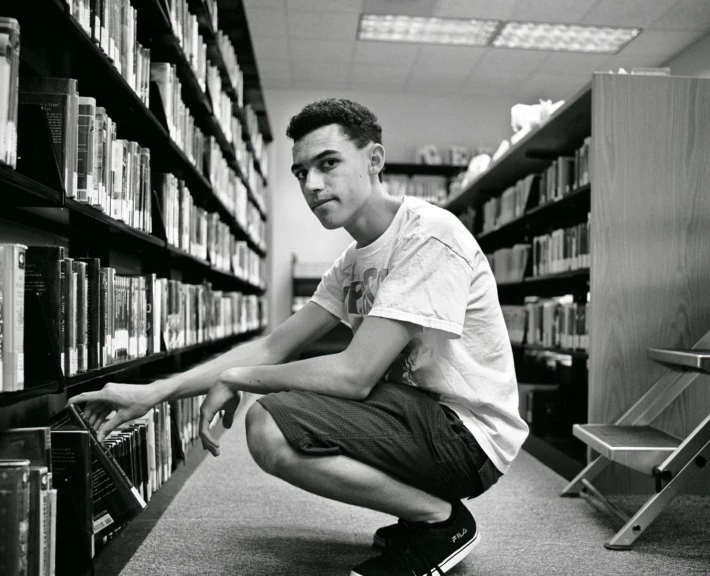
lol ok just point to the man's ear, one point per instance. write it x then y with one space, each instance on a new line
377 159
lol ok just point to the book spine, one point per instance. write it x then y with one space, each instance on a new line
52 531
12 302
82 323
69 361
14 522
93 317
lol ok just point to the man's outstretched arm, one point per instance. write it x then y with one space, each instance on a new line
132 401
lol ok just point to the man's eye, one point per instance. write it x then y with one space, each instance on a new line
300 175
330 163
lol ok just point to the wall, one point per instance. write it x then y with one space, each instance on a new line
694 61
407 121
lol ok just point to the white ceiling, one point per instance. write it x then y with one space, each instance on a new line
312 44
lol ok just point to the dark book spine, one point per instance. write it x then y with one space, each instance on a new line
103 318
69 316
43 276
37 556
93 268
14 522
71 476
81 316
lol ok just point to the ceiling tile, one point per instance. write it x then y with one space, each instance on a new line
572 64
550 10
274 69
266 22
373 73
660 43
507 60
321 50
404 7
460 59
270 48
685 15
485 9
550 88
368 52
277 83
426 82
492 85
326 5
320 73
323 25
631 13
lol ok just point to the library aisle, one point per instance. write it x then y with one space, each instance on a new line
230 518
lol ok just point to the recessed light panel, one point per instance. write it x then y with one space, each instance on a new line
564 37
455 31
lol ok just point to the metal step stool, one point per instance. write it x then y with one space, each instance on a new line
633 443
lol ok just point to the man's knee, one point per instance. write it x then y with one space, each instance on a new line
266 442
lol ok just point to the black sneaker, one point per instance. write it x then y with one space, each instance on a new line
386 536
420 550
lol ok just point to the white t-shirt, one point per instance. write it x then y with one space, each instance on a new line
427 269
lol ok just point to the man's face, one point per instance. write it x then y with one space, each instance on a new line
333 174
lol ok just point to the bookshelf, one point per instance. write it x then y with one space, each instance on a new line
36 210
649 245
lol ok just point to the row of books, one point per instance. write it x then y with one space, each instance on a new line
257 140
509 205
62 316
65 495
113 26
562 250
566 174
186 31
509 264
204 236
9 73
429 188
554 323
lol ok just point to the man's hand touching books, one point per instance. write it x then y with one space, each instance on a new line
220 397
128 401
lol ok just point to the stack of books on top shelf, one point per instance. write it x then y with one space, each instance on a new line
236 77
510 205
62 316
113 25
565 175
428 188
562 250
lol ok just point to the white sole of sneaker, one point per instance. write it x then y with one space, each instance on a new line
452 560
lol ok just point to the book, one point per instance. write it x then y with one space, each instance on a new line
12 316
14 522
85 159
52 527
69 307
71 471
82 316
33 444
93 316
43 278
38 546
59 98
115 499
9 74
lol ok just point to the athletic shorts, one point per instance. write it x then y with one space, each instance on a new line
397 429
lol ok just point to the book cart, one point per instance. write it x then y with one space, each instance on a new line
35 209
648 273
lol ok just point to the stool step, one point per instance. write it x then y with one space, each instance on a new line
639 447
693 359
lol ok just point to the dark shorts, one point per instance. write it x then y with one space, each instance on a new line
397 429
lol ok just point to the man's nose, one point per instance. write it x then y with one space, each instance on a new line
314 181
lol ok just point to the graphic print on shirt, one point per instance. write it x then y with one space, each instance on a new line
359 295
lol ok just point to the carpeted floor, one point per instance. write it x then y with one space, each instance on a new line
230 518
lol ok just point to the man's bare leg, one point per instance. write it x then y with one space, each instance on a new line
337 477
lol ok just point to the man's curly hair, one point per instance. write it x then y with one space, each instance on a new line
359 124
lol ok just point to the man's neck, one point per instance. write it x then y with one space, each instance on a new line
375 218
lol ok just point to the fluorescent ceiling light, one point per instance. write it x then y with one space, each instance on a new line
495 33
457 31
564 37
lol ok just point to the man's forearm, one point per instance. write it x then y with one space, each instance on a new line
329 375
199 379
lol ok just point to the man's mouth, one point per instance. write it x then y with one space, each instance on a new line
320 203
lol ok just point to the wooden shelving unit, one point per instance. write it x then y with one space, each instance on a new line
649 243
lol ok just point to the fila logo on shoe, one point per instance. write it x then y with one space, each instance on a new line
459 535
